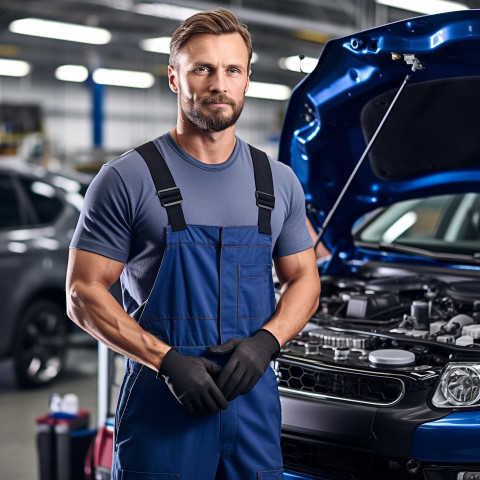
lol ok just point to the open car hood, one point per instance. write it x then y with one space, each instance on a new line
430 142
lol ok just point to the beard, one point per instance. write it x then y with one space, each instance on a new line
211 119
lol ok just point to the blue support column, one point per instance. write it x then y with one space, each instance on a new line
97 112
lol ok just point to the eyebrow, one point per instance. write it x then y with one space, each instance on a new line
210 65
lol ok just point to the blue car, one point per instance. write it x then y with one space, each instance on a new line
384 135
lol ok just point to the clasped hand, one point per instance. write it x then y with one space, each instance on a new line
248 361
203 388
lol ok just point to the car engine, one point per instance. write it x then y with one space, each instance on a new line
405 326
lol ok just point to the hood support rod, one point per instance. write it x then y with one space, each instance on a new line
416 65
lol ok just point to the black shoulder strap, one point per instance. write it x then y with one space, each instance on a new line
264 189
167 190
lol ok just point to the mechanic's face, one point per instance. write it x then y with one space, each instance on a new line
211 77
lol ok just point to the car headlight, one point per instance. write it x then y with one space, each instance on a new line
459 386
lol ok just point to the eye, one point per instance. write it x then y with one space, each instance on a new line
201 69
233 70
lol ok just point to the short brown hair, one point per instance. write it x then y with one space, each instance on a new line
216 22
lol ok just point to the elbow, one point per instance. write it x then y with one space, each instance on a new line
76 305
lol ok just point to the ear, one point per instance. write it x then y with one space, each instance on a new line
172 79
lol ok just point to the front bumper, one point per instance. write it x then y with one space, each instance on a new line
335 441
455 437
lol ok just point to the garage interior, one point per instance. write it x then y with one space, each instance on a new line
60 117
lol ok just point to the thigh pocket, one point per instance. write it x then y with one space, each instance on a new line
125 398
270 475
128 475
253 282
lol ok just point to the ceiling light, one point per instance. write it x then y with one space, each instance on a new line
165 10
269 91
60 31
424 6
14 68
123 78
156 45
71 73
294 64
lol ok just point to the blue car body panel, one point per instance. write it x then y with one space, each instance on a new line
455 437
322 137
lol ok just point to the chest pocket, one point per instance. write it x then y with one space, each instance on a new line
253 290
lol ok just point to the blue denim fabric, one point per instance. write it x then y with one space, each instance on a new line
214 284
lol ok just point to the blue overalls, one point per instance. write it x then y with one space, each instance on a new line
214 284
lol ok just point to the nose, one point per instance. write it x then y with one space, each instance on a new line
218 83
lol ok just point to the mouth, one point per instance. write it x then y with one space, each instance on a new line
211 104
217 102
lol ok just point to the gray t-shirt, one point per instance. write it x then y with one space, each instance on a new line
123 219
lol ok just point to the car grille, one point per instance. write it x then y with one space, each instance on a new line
335 462
374 389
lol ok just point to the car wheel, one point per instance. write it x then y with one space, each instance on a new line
40 347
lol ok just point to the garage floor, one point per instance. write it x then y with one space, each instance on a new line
19 408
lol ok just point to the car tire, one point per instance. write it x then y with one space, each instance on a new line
41 342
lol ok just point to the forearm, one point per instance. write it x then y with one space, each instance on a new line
93 308
299 301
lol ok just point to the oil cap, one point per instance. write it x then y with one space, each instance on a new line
391 358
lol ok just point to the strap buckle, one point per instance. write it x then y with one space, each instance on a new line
265 200
170 196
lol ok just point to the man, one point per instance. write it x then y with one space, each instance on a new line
200 326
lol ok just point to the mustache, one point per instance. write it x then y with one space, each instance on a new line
218 99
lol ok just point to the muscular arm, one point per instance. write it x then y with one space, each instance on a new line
298 275
91 306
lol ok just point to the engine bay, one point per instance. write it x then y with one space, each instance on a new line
408 322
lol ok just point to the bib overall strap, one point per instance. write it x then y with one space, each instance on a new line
264 189
167 190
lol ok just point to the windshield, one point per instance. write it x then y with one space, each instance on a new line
444 223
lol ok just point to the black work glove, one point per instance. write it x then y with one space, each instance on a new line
248 362
190 380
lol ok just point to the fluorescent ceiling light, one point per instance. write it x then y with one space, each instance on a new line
156 45
71 73
427 7
269 91
60 31
165 10
14 68
123 78
294 64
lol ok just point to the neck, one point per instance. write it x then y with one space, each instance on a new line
206 147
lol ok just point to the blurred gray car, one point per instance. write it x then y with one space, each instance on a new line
38 213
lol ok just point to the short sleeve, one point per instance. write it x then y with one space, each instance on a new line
294 236
104 226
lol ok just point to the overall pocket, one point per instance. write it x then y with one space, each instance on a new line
124 398
253 282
